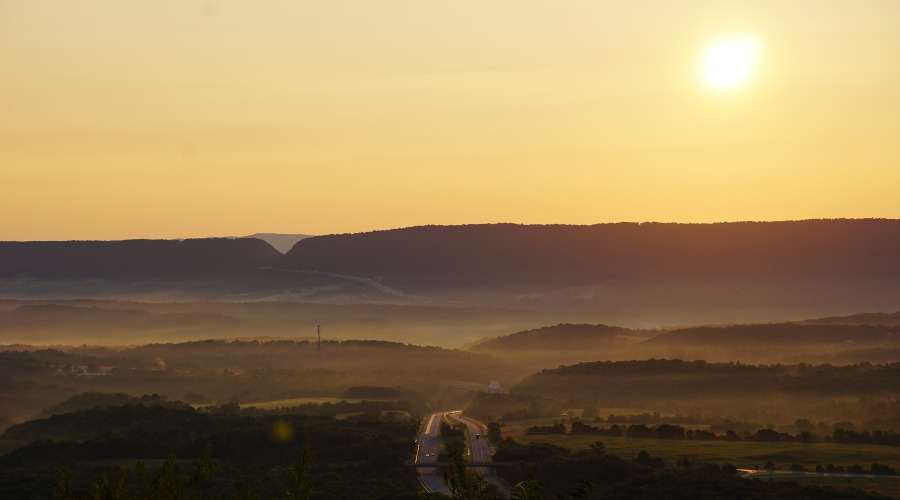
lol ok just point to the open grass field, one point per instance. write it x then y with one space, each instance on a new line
744 454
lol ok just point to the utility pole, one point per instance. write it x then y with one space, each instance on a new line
319 342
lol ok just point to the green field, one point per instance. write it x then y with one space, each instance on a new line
744 454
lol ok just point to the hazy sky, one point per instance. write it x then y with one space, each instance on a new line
176 118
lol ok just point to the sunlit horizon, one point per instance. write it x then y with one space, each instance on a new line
222 118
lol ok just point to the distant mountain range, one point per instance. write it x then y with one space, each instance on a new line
510 255
133 259
616 273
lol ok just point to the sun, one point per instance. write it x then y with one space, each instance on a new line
729 62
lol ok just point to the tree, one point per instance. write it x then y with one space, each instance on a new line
882 469
493 432
527 490
302 489
461 486
165 484
804 425
667 431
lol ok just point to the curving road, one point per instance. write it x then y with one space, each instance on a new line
429 445
481 451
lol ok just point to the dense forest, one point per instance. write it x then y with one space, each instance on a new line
362 459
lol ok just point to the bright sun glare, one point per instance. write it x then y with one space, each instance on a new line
728 62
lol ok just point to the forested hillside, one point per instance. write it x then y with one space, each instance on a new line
559 337
844 342
638 275
508 254
676 378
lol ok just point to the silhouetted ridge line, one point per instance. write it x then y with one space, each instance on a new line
133 258
622 253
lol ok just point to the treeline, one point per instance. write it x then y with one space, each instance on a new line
669 431
92 399
647 417
783 334
508 407
546 429
866 437
326 409
564 336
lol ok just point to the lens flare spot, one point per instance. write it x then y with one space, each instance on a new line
282 432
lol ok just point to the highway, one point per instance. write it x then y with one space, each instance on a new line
428 446
481 452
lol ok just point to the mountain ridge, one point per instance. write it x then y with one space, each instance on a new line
619 273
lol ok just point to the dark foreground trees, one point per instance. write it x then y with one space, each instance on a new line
94 454
253 455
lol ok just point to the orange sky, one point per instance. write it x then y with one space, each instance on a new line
176 118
